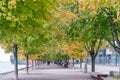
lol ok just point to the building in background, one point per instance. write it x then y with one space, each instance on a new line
107 56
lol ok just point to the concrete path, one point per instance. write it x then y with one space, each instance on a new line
51 72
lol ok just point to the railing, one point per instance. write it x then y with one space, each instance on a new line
2 74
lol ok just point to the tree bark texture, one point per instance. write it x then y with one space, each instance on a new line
15 61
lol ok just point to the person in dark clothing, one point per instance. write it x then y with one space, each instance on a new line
48 62
65 64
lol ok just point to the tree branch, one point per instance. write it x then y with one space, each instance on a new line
86 47
116 37
99 44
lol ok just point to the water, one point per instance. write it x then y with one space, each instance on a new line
5 64
8 67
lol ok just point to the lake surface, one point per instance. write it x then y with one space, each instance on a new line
7 67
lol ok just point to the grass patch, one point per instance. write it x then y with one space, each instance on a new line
116 77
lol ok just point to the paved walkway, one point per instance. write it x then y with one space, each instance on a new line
51 72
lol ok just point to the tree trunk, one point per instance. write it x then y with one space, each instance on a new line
41 61
35 63
32 64
68 61
38 63
80 63
73 62
26 56
93 64
15 61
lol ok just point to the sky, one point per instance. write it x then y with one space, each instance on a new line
3 56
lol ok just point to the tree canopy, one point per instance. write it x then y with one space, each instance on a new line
60 27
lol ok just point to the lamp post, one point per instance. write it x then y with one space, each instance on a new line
119 66
85 66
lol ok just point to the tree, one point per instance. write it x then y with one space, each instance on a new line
74 50
81 28
109 25
103 17
17 15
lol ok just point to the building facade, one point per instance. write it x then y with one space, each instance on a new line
108 57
